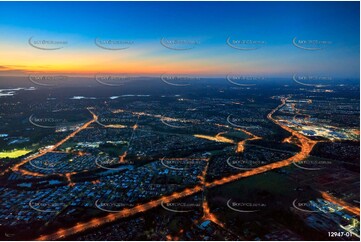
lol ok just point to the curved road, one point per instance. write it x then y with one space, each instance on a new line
52 148
306 147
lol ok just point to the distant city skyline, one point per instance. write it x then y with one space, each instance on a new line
273 39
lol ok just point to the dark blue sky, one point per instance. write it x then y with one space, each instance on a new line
277 23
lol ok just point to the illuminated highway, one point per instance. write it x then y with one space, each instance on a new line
51 149
343 204
62 233
306 147
218 138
